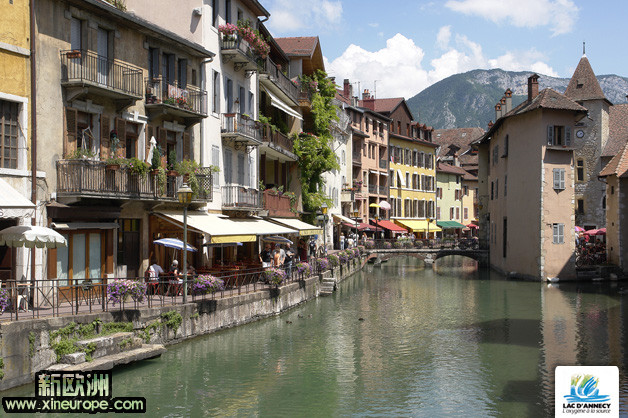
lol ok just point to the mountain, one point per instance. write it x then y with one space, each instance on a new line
468 99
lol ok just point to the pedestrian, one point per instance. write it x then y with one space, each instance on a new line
350 242
342 242
175 280
288 260
312 247
265 256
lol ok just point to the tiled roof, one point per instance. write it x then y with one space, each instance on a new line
618 165
300 46
583 84
470 177
450 169
385 105
460 137
618 130
340 96
410 139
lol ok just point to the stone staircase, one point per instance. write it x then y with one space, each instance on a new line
328 286
107 352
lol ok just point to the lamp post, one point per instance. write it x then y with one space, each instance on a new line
356 217
324 211
184 194
428 229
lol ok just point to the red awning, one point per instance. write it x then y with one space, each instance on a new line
361 226
472 226
391 226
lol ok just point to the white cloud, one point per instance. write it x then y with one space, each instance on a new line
374 25
400 72
558 15
291 16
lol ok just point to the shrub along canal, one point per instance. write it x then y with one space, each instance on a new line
395 340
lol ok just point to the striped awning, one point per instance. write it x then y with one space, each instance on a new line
418 225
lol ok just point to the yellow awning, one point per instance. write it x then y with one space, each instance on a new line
220 228
303 227
417 225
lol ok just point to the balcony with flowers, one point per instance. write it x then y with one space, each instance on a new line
186 101
242 45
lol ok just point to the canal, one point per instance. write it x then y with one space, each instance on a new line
399 340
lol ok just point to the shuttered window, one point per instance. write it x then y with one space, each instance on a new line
228 166
216 163
558 232
559 178
9 133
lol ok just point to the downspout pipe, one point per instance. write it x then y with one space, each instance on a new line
33 108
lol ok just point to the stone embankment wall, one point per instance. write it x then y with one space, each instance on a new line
28 346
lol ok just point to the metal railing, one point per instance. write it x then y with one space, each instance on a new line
357 158
383 163
235 196
237 124
383 190
305 93
188 98
277 138
54 297
279 78
235 42
436 243
279 205
373 188
84 178
81 66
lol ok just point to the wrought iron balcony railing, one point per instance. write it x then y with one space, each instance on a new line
241 197
188 99
279 78
277 138
87 178
236 125
83 67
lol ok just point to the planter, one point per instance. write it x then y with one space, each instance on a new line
172 173
74 54
112 167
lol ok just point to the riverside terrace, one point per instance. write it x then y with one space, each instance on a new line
45 298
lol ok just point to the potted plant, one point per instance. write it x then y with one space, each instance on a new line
80 154
75 53
169 101
188 169
114 163
274 275
172 160
137 166
182 102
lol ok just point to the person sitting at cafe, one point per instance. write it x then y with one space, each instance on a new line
265 256
175 280
152 276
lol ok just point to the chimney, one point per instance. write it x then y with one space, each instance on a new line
368 101
508 96
533 86
490 125
348 89
498 111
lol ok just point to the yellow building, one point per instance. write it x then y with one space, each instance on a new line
413 184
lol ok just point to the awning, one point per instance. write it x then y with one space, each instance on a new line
222 229
276 102
344 219
13 204
303 227
84 225
402 179
390 226
450 225
418 225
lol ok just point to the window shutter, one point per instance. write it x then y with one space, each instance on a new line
171 68
154 52
105 146
561 231
183 73
562 178
568 136
161 141
550 135
215 163
150 132
70 131
556 179
121 129
186 146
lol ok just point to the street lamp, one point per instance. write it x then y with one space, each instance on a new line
356 217
184 194
428 228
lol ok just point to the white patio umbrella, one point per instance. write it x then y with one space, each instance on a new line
153 144
31 236
384 205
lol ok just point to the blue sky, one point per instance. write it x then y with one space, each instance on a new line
409 45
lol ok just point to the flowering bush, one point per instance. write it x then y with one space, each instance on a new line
370 244
322 263
418 244
396 244
304 268
408 243
246 32
181 101
343 257
137 166
350 253
388 245
334 261
356 251
204 284
119 289
274 275
361 249
5 300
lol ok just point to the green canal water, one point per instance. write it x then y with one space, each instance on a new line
399 340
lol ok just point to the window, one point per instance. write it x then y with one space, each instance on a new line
228 166
451 213
457 213
439 193
241 170
495 154
251 105
408 179
229 94
580 206
9 133
85 248
76 34
216 92
242 99
505 154
496 188
132 131
492 190
466 213
228 11
182 73
558 232
504 237
580 170
240 15
438 213
215 163
559 178
153 63
558 136
215 13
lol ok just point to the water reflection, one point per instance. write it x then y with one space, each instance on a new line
433 342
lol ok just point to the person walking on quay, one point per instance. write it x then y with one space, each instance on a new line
342 242
312 247
265 256
288 260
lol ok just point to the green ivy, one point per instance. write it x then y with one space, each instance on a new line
147 330
113 327
126 342
172 319
89 350
1 368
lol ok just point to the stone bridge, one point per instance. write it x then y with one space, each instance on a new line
428 255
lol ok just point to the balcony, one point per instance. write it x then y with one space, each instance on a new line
357 159
346 196
237 50
85 72
271 72
305 96
240 129
163 97
375 189
277 144
237 197
279 205
87 178
383 190
383 163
